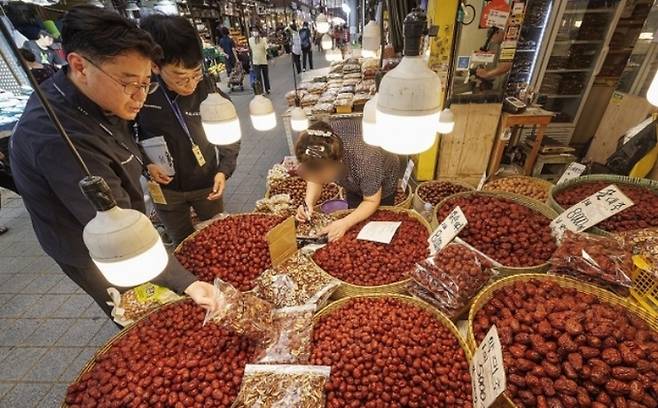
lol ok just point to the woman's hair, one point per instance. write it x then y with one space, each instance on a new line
318 147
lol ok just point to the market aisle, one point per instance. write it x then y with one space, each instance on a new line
49 328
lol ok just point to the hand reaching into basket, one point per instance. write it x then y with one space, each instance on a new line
203 294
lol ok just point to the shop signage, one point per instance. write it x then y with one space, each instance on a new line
573 170
482 57
447 230
487 371
379 231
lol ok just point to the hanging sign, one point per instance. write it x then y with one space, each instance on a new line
447 230
493 13
488 379
483 57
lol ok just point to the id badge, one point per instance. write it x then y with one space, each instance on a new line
199 156
155 191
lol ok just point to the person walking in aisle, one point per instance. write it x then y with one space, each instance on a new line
306 38
197 177
258 45
296 47
104 86
228 46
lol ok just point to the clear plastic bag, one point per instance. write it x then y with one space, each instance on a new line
451 278
134 303
595 259
293 335
642 242
282 386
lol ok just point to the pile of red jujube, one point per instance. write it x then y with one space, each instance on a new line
368 263
388 353
508 232
436 191
400 196
169 359
644 214
565 348
296 188
234 249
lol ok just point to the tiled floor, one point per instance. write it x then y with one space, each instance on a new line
49 328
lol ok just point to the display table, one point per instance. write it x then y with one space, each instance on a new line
287 126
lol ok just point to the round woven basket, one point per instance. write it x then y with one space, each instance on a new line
545 184
419 203
487 293
406 204
347 289
612 179
524 201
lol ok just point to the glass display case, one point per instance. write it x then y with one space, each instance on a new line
643 62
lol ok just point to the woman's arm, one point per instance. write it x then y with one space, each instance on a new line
368 206
313 192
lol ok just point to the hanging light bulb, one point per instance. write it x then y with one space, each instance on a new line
322 24
220 120
298 120
261 110
326 42
122 243
368 122
166 7
371 40
652 93
334 55
446 121
409 103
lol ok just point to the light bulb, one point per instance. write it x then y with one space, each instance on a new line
262 113
166 7
369 122
298 120
220 120
446 122
371 39
652 93
322 24
326 42
368 54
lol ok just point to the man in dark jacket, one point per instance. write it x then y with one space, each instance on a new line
199 171
103 87
306 36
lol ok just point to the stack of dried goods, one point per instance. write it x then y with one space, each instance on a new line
368 263
644 214
387 352
434 192
566 348
167 359
296 188
508 232
525 186
234 249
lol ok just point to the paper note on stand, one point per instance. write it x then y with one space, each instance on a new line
573 170
282 241
379 231
407 175
601 205
487 371
447 230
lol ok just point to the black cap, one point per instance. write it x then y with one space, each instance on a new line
415 27
97 191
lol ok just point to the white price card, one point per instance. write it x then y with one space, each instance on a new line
379 231
573 170
447 230
601 205
407 174
487 371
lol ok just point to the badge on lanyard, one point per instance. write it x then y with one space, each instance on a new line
155 191
199 156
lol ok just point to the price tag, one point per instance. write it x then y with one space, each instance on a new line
379 231
573 170
447 230
483 180
198 155
592 210
498 18
487 372
407 175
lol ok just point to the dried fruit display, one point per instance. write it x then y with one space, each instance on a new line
644 214
296 187
436 191
565 348
508 232
370 263
525 186
385 352
400 196
233 249
168 359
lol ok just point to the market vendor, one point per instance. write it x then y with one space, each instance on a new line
197 174
103 87
337 152
497 70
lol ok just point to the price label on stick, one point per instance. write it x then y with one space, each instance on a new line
487 371
573 170
601 205
447 230
379 231
483 180
407 175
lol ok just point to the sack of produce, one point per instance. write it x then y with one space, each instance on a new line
133 304
291 344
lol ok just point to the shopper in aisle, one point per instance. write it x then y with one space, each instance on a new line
296 47
306 38
40 71
258 45
41 49
104 86
337 152
200 169
228 46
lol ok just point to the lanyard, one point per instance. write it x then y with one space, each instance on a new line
177 112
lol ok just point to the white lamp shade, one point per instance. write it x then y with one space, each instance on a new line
371 39
446 122
125 246
298 120
262 113
166 7
334 55
322 24
408 107
220 120
652 93
368 54
369 123
326 42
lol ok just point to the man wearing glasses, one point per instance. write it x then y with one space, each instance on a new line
194 171
104 85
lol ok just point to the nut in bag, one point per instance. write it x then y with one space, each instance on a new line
282 386
134 303
293 331
595 259
451 278
642 242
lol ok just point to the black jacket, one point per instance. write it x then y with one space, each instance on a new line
47 175
157 118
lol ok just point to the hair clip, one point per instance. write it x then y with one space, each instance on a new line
315 151
315 132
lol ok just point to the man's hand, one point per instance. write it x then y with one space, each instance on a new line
218 187
158 174
203 294
335 230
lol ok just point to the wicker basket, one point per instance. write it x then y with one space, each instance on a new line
406 204
602 294
419 203
612 179
348 289
546 184
524 201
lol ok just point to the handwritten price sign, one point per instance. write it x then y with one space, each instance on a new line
573 170
488 379
447 230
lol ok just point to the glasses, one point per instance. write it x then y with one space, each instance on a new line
130 88
198 76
